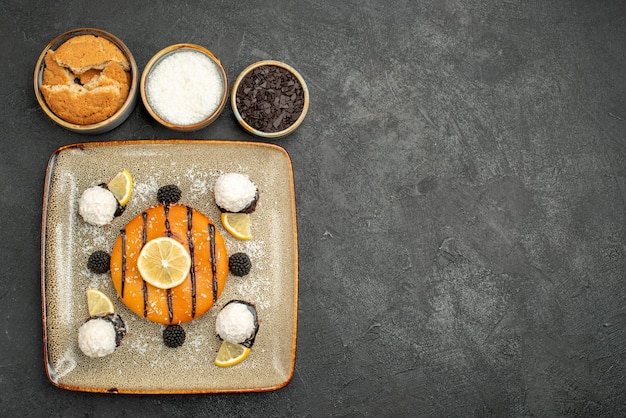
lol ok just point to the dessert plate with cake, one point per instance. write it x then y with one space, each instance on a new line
158 335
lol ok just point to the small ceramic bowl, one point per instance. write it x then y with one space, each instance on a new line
112 121
184 87
254 122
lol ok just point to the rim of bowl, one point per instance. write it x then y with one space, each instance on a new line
158 57
249 128
114 120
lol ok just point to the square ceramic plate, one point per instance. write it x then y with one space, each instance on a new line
142 363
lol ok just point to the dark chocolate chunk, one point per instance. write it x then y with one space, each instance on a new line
270 99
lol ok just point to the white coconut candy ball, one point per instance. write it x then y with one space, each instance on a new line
234 192
235 323
97 206
96 338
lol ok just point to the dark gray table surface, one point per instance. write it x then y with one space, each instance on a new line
461 196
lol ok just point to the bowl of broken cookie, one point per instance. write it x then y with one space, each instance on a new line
270 99
86 80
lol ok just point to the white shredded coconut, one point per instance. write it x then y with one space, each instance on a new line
66 364
185 87
235 323
96 338
97 206
234 191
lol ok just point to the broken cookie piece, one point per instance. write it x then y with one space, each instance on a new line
86 80
86 52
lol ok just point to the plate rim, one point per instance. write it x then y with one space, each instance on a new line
185 142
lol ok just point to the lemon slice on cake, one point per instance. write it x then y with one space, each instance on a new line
164 262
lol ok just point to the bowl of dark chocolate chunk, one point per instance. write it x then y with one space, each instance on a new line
184 87
270 99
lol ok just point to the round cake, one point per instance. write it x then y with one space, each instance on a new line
207 275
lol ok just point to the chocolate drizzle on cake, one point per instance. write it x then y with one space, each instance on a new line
144 231
170 308
123 235
144 285
144 289
213 261
168 232
192 269
168 228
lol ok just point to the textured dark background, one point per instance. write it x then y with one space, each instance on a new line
461 196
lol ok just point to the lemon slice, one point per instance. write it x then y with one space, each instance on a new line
237 224
121 186
230 354
164 262
98 303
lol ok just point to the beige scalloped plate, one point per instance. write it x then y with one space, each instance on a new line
142 363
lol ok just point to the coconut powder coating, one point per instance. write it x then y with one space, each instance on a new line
96 338
185 87
234 192
97 206
235 323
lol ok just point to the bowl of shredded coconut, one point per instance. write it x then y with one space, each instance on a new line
184 87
